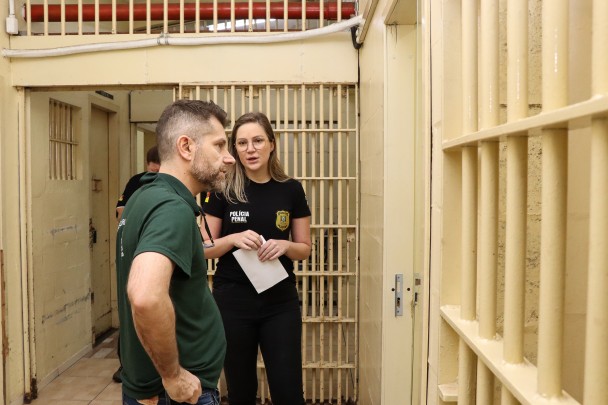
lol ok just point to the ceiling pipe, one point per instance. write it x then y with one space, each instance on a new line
165 39
157 11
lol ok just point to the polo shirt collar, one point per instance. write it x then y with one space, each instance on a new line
179 188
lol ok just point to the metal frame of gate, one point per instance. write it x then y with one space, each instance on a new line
317 135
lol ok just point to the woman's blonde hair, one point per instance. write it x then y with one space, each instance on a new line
237 178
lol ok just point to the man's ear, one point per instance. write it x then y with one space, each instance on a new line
185 147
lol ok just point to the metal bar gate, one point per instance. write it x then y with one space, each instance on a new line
317 139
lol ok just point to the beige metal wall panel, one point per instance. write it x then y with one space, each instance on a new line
300 62
372 214
12 233
400 199
555 226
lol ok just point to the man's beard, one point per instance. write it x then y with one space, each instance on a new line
211 179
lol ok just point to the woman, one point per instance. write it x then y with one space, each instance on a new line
260 203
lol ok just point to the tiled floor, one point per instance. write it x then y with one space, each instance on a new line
88 381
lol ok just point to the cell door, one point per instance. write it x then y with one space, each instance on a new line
99 222
317 141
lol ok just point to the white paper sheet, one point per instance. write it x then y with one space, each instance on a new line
262 275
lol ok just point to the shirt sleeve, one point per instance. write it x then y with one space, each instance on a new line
300 206
170 230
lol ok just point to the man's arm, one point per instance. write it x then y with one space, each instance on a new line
154 320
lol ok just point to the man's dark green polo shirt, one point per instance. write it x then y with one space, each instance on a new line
161 217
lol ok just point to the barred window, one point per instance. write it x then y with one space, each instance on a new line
62 141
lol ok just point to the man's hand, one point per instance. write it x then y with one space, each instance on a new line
185 387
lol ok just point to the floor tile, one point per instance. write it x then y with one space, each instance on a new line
112 392
73 388
93 367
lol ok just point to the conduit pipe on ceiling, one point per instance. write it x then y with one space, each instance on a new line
165 39
157 11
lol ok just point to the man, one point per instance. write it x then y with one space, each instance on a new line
152 165
172 342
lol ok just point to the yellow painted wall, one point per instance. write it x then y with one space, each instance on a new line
372 127
10 230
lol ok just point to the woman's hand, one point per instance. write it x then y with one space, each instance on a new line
247 240
273 249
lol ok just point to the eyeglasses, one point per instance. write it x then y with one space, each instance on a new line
207 245
242 144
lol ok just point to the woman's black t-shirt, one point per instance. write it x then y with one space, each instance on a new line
269 211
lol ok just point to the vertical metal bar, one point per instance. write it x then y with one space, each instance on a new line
515 249
148 17
232 17
181 16
552 261
296 134
96 17
330 231
340 221
517 190
322 222
214 15
28 22
466 357
114 17
469 65
555 54
46 17
468 297
285 16
250 16
62 19
285 134
197 16
132 16
306 262
267 24
517 59
357 249
488 239
466 374
232 104
595 388
489 64
303 17
553 196
485 384
506 398
165 16
321 13
315 242
79 17
596 348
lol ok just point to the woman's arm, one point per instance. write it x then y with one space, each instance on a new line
243 240
298 248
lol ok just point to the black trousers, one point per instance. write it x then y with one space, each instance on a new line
271 321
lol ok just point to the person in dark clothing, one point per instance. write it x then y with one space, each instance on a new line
171 334
153 166
265 210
